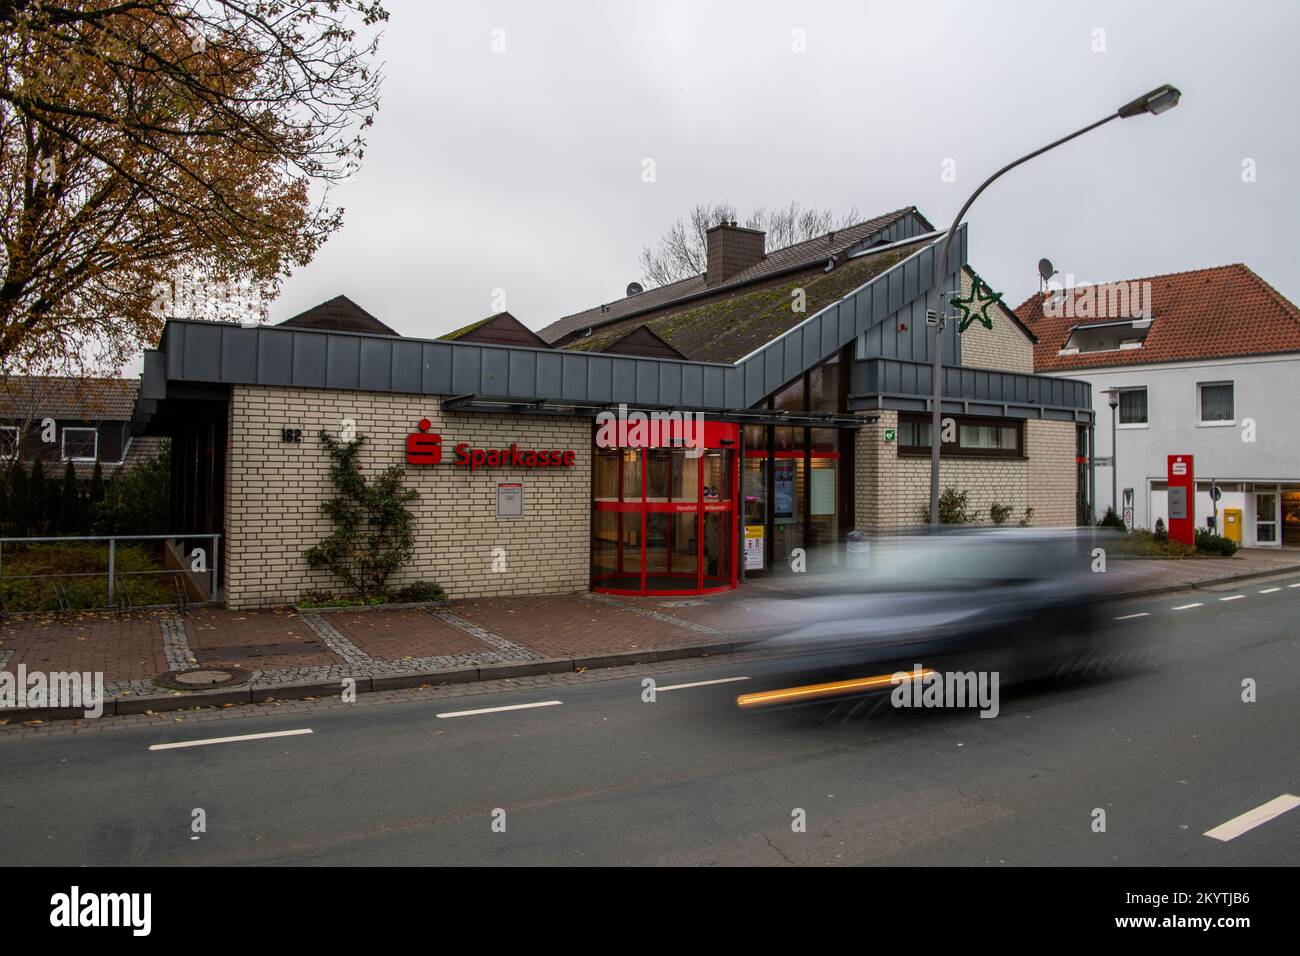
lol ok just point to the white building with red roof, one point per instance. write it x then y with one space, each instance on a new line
1203 363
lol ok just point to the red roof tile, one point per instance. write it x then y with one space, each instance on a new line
1205 313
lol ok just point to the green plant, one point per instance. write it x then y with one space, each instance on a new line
1029 516
1112 520
1210 543
136 501
998 513
954 508
373 534
1161 534
418 592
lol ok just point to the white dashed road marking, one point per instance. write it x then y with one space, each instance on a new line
1129 617
1269 590
1253 818
1188 607
1232 597
497 710
701 683
1296 585
228 740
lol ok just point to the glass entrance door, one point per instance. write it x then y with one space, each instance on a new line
1266 518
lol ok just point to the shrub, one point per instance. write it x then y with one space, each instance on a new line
373 534
1112 520
954 508
1161 533
1029 516
999 513
419 592
1210 543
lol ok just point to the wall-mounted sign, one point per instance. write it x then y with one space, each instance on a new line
425 448
510 499
890 434
753 547
783 510
291 434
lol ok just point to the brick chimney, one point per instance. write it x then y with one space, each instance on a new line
731 249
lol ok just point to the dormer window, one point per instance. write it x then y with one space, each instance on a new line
1112 335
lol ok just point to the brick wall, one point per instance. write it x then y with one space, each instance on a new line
892 492
1004 347
275 489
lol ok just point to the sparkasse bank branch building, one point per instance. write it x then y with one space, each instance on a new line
807 366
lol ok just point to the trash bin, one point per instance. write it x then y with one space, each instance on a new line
859 550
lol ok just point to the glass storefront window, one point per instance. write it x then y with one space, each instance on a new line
606 480
631 474
790 398
824 387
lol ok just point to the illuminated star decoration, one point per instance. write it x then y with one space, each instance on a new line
967 306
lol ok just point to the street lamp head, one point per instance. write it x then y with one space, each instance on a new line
1156 102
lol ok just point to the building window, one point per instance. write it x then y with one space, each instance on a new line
8 443
1216 402
80 444
976 437
1133 406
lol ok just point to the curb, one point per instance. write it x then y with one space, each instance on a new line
186 700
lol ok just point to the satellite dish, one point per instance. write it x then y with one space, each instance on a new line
1045 269
634 288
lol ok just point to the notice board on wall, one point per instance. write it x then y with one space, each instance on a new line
822 499
510 499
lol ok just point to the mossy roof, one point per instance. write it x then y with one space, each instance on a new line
725 328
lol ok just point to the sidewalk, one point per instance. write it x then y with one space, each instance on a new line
287 654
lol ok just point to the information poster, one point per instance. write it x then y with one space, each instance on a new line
510 499
753 547
783 506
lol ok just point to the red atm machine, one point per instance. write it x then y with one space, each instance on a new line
1181 482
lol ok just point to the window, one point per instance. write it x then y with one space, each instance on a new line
1133 406
8 443
1216 402
976 437
80 444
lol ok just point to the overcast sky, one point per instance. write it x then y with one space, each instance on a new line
522 170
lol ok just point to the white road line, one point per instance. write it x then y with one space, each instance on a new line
1187 607
1233 597
1129 617
497 710
228 740
701 683
1269 590
1296 585
1253 818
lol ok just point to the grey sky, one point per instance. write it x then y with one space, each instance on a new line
522 170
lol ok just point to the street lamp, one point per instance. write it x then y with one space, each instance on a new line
1157 101
1113 394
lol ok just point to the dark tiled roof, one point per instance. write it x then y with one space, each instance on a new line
339 314
1205 313
142 448
728 326
80 399
800 255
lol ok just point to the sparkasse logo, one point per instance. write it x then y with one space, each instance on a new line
74 909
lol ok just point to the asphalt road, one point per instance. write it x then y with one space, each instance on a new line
606 778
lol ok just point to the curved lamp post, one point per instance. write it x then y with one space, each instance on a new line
1156 102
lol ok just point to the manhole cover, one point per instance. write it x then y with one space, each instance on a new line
202 678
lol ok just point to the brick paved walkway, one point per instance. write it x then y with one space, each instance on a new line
285 646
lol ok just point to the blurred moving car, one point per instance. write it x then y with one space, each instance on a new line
1021 602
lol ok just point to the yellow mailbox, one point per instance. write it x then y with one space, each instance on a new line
1232 524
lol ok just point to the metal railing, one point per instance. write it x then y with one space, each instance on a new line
119 596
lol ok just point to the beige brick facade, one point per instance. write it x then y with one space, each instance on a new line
1004 347
275 489
892 492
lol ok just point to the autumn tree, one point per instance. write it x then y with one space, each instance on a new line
147 145
680 252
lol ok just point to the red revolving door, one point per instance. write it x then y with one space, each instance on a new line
663 521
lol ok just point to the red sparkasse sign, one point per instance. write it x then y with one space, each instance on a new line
1181 493
425 448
